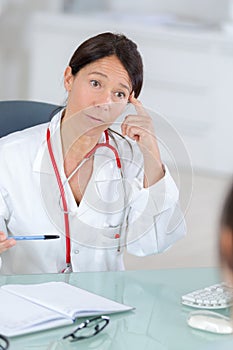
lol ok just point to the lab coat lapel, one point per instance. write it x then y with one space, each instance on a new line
42 162
104 192
48 183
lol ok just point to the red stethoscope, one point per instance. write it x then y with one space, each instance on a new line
61 187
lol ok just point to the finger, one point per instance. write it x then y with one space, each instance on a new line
133 133
137 104
2 236
123 128
127 125
143 124
6 244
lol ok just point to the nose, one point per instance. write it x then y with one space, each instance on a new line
104 100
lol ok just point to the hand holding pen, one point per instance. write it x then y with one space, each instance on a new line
34 238
8 242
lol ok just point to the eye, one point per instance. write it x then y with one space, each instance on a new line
121 95
94 83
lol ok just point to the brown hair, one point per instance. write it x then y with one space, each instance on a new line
108 44
226 231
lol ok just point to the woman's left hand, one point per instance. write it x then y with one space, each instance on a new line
140 128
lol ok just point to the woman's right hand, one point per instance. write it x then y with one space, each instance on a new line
5 243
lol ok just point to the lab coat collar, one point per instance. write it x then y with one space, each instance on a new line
42 162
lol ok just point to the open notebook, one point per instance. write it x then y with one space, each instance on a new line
36 307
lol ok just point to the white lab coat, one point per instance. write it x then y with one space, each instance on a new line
148 220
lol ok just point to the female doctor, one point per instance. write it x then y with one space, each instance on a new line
99 190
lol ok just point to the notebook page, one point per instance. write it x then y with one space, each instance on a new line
66 299
19 316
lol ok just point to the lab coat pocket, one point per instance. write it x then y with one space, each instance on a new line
110 237
93 236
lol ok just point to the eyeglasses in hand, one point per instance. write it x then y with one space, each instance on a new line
4 342
88 328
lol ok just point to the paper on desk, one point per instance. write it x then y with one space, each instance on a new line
66 299
35 307
18 316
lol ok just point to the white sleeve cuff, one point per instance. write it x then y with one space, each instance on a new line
158 197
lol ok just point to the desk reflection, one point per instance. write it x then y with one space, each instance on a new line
158 321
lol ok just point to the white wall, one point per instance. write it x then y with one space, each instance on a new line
212 11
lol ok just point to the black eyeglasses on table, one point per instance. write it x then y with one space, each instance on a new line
88 328
4 342
85 330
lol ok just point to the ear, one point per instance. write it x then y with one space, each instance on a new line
68 78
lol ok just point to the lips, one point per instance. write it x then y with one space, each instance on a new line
94 118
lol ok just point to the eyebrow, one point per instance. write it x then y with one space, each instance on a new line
105 76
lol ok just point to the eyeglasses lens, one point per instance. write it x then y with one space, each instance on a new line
89 329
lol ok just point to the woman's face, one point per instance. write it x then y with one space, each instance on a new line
98 93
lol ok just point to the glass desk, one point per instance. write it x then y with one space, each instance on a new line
158 322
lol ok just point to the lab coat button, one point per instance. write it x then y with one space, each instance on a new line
76 251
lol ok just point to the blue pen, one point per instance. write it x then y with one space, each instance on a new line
32 238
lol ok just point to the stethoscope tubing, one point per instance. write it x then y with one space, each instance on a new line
64 202
61 185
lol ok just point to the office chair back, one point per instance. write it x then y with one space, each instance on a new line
19 115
